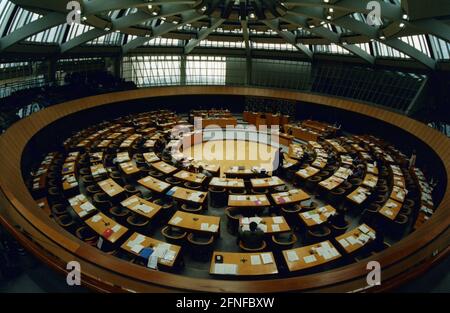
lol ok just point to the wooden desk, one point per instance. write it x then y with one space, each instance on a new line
107 228
98 170
266 182
296 151
137 242
69 182
372 169
149 144
390 209
164 167
269 225
370 180
123 157
399 181
110 187
343 172
227 183
141 207
154 184
331 182
290 197
129 168
237 171
190 177
104 144
359 195
196 222
248 201
398 194
68 168
307 172
82 206
243 264
310 256
352 241
317 216
96 157
187 195
150 157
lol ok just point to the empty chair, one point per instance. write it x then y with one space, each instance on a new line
259 191
92 190
167 206
137 222
59 209
339 224
319 233
66 222
400 223
132 191
336 196
233 216
247 248
87 235
308 205
55 195
119 213
191 208
282 241
237 191
173 181
311 183
355 181
87 180
156 174
290 212
201 246
85 171
192 186
101 201
281 188
218 196
174 235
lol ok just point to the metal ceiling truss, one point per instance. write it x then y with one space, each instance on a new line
150 16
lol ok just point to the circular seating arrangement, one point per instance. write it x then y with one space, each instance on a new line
137 207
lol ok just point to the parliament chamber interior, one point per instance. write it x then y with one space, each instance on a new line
224 146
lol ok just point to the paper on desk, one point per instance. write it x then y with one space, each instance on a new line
96 218
225 269
292 256
176 220
255 260
278 219
309 259
137 248
266 258
275 227
87 206
116 228
343 242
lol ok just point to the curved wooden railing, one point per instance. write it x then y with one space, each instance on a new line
23 218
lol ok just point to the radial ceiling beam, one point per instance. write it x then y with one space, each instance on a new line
48 21
289 37
123 22
329 35
359 27
188 17
98 6
246 36
202 34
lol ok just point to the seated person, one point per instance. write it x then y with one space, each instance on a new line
253 237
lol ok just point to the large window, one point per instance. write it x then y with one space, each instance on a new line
152 70
441 48
206 70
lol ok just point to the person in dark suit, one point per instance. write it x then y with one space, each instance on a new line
252 238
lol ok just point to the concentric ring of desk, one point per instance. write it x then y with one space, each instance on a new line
22 217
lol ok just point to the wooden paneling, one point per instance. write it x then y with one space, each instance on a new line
20 213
